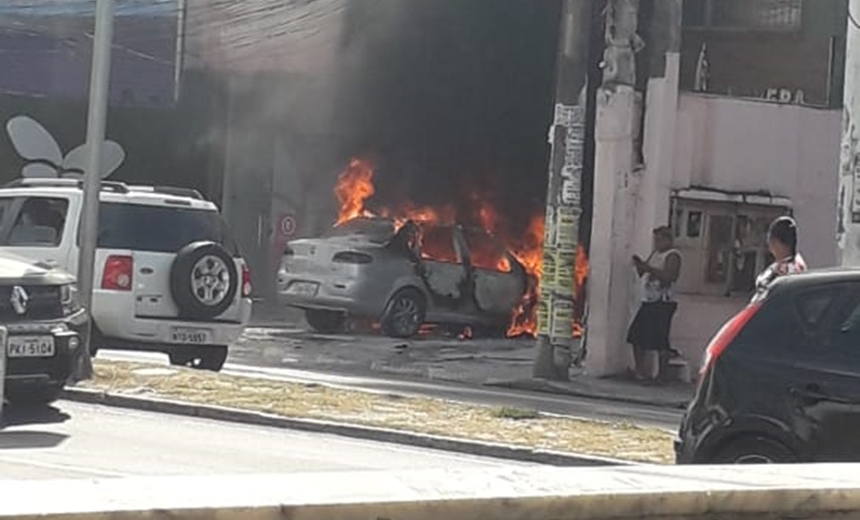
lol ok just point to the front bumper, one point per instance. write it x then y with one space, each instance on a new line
68 334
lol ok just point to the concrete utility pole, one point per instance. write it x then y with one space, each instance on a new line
555 343
848 232
96 123
661 114
614 190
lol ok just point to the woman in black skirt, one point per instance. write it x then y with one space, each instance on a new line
653 322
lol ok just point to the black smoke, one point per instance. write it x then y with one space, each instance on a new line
449 96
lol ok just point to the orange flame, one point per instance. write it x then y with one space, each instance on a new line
355 188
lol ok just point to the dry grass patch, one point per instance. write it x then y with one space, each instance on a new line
423 415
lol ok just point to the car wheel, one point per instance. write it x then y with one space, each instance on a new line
754 450
200 358
31 397
404 314
96 340
203 280
326 322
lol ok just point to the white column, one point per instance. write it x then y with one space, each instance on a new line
848 232
610 261
661 115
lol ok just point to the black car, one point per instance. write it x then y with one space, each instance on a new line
40 310
781 380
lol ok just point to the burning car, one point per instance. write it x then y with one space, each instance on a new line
403 275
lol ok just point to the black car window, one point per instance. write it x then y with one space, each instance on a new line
775 329
845 332
159 229
812 305
790 321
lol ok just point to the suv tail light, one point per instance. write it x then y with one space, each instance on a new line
726 335
246 281
352 257
118 274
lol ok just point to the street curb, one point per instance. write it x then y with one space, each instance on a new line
218 413
546 387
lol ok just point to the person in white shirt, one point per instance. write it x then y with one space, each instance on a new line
782 244
650 329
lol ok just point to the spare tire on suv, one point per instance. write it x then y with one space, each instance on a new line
203 280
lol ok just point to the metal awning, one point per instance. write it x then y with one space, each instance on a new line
751 198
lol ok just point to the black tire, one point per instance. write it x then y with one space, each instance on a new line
34 396
326 322
203 281
97 340
210 358
753 450
404 314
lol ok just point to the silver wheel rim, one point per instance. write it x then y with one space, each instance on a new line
210 280
405 314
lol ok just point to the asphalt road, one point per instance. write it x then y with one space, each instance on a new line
555 404
85 441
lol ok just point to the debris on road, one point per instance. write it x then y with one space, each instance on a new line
420 415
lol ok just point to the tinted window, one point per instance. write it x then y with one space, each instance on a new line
845 332
798 323
813 305
774 328
159 229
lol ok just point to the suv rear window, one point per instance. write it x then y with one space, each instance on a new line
159 229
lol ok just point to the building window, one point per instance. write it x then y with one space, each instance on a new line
779 15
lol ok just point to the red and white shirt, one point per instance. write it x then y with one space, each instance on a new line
791 265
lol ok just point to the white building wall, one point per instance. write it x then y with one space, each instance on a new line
747 146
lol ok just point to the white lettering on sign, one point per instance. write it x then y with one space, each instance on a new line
785 96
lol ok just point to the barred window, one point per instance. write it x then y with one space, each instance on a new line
744 14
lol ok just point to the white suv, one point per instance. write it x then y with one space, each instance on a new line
168 277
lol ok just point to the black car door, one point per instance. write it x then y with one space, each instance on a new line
824 387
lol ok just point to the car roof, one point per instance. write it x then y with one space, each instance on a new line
817 277
128 194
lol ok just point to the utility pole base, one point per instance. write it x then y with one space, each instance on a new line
552 362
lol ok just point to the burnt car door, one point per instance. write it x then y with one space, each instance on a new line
444 266
499 279
824 387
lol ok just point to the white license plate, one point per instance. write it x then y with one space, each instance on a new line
303 289
191 336
30 347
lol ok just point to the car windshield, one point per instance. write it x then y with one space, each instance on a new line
378 231
158 228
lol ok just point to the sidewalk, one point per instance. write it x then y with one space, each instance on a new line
492 363
671 395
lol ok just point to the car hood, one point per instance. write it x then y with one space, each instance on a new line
16 269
